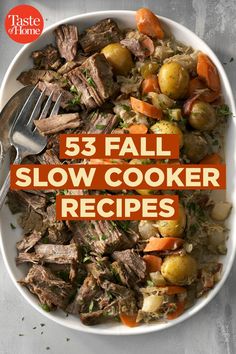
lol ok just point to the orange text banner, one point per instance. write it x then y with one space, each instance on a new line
119 207
123 146
118 177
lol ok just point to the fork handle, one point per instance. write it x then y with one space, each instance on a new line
6 184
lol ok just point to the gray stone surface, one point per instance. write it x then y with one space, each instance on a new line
213 330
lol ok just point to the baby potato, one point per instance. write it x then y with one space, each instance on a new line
173 80
166 127
144 191
173 228
202 116
179 270
147 230
119 57
195 147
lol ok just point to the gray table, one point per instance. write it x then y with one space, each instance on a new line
213 330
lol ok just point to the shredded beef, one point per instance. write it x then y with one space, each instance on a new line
67 41
96 37
50 289
55 124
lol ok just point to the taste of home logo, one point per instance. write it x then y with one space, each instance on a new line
24 23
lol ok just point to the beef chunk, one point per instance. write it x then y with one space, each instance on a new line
99 70
55 88
32 206
94 81
31 220
28 242
88 292
67 41
48 157
100 123
133 263
57 123
19 201
100 269
57 231
28 200
139 44
25 257
89 99
92 318
61 254
102 237
50 290
47 58
33 76
121 274
96 37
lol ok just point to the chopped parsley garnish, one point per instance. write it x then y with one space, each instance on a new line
146 162
12 226
73 89
45 240
224 111
63 191
123 224
86 259
45 307
100 126
103 237
76 100
126 107
150 283
91 82
91 305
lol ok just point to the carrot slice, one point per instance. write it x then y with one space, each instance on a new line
172 289
128 319
207 71
211 159
179 310
162 244
106 161
145 108
206 96
138 129
148 23
150 84
153 263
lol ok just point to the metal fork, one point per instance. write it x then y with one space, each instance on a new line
23 134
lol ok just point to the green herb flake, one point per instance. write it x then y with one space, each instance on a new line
100 126
126 107
13 227
45 307
223 111
73 89
86 259
64 191
76 100
91 305
150 283
146 162
45 240
103 237
91 82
